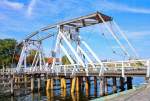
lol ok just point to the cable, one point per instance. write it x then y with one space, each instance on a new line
126 39
108 43
115 37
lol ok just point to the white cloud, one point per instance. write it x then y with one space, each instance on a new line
31 7
138 34
12 5
122 7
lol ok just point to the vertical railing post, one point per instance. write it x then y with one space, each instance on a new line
122 69
148 68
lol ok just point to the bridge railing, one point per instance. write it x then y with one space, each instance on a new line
115 66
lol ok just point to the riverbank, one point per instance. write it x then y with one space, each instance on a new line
140 93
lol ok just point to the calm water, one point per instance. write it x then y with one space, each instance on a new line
64 95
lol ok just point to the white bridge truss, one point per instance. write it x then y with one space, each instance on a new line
70 44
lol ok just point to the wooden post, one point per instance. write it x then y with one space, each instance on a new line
48 84
52 82
129 83
101 86
39 84
25 81
95 86
77 84
12 86
18 82
86 83
87 86
95 83
73 85
32 84
106 86
63 83
122 84
114 85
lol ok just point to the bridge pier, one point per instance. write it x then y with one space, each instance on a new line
48 84
122 84
95 86
51 83
25 80
12 86
106 86
101 86
18 83
32 84
39 84
129 83
95 83
87 85
73 84
77 84
63 83
114 84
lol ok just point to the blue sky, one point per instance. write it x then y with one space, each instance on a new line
18 18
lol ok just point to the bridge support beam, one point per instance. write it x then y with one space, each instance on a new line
77 84
101 86
122 84
129 83
39 84
12 86
106 86
51 83
18 82
114 85
48 84
87 85
95 83
63 83
25 80
32 84
73 84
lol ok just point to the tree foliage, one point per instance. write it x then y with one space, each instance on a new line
65 60
7 48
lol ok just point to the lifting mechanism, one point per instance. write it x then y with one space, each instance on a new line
69 43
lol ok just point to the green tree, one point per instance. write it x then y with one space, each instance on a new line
7 48
65 60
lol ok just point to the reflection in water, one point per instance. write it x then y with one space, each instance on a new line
62 94
32 94
73 97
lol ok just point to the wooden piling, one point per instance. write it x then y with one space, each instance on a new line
48 84
77 85
73 85
101 86
12 86
63 83
122 84
32 84
129 83
95 83
51 84
18 82
95 86
87 86
39 84
114 84
106 86
86 83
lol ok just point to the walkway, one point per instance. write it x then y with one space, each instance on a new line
139 94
